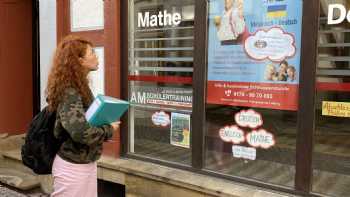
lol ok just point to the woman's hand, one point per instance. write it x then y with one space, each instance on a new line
115 125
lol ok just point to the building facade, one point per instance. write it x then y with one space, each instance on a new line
245 91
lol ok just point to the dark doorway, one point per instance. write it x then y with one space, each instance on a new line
109 189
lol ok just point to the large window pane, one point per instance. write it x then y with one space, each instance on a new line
331 157
160 78
252 88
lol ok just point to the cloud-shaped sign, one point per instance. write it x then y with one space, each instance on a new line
260 138
232 134
248 118
273 44
161 119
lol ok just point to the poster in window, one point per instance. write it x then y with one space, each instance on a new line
254 53
180 130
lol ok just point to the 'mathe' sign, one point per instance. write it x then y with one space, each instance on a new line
162 19
343 14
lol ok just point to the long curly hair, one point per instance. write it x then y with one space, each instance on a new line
67 71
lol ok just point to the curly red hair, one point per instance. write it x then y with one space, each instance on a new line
67 71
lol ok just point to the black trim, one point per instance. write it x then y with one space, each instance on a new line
199 83
306 113
36 56
124 28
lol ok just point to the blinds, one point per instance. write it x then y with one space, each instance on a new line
164 50
333 69
334 48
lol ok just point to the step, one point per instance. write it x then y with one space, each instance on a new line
14 154
18 179
14 173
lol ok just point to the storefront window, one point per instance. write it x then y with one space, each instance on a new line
252 88
331 157
160 78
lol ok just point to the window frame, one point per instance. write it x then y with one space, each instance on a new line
306 112
109 39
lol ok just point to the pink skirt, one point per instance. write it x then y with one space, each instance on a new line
74 180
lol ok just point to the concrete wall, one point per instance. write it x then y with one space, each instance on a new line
48 40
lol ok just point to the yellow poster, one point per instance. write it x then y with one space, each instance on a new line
338 109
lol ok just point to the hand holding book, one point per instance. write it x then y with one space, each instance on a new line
115 125
106 110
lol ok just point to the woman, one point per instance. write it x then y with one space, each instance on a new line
74 169
231 24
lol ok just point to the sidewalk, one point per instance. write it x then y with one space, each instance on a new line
9 192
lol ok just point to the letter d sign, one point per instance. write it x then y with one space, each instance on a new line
342 10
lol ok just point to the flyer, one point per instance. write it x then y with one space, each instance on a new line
180 130
254 53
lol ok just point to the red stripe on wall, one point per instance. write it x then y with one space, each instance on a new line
327 86
164 79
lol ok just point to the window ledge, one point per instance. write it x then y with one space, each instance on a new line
182 178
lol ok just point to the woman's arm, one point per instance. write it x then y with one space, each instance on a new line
72 115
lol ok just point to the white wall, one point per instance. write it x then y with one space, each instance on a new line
48 40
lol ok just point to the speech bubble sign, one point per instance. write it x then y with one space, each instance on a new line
273 44
260 138
249 118
161 119
232 134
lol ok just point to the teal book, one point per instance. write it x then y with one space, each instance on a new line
105 110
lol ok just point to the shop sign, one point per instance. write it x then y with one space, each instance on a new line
180 130
254 53
260 138
164 96
337 109
248 118
244 152
163 18
232 134
161 119
338 11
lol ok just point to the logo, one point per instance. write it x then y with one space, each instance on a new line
260 44
162 19
228 92
276 11
337 14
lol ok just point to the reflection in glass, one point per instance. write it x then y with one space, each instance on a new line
252 88
160 78
274 165
331 158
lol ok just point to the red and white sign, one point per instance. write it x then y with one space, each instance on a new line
249 118
252 94
260 138
232 134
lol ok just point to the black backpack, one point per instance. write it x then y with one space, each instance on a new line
40 146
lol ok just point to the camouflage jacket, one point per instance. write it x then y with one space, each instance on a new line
84 142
